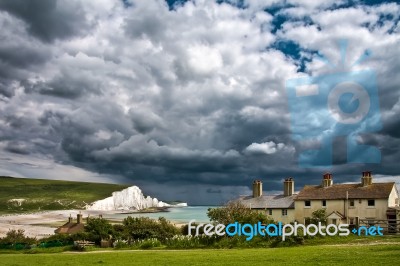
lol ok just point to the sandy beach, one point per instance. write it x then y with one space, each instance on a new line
43 224
40 224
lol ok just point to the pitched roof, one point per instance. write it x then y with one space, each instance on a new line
336 214
70 228
338 191
268 202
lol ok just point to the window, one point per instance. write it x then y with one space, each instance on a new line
371 203
284 212
351 203
269 211
324 203
307 203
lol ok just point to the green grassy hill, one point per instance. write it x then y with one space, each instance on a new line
27 195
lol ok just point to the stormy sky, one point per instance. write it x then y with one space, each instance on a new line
186 99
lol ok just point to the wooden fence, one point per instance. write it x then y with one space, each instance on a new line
389 226
82 244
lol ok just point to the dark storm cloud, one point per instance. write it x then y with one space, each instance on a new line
144 122
188 103
48 19
19 54
392 127
17 147
258 128
22 56
210 190
6 88
67 85
31 138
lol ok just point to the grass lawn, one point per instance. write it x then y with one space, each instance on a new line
383 254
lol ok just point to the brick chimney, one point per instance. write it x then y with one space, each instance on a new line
327 180
288 187
79 218
366 178
257 188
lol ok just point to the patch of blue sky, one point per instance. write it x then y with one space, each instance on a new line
173 4
300 56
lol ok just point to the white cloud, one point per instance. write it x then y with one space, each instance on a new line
147 92
269 147
203 59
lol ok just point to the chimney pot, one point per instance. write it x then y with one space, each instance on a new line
288 187
257 188
79 218
327 180
366 178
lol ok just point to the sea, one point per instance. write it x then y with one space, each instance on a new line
177 215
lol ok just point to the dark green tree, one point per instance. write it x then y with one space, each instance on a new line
98 229
317 216
144 227
17 236
237 212
119 231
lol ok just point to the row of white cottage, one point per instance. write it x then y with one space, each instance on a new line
364 202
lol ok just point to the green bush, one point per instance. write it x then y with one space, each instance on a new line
120 244
58 237
150 243
98 229
57 240
146 228
237 212
318 216
118 231
183 242
191 241
16 239
84 236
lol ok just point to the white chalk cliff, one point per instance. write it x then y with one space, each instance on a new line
130 198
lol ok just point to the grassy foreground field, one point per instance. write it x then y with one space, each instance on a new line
26 195
383 254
